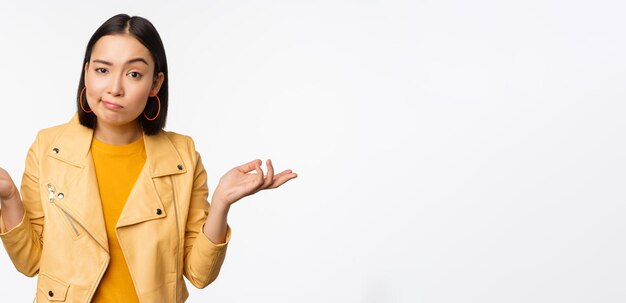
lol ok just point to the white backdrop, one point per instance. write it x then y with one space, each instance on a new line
447 151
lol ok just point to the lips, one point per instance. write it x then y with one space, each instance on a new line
111 105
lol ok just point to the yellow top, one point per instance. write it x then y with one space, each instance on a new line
117 170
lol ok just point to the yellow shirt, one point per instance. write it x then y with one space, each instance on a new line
117 169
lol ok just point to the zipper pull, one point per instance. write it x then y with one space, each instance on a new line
51 191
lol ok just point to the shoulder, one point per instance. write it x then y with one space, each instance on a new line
47 135
177 138
51 132
183 144
55 130
179 148
180 141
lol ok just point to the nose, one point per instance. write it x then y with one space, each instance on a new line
116 87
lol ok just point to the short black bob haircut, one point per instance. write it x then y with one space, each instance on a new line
142 30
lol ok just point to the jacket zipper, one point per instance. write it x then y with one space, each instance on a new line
67 216
177 237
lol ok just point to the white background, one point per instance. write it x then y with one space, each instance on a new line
447 151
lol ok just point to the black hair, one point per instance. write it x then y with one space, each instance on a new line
142 30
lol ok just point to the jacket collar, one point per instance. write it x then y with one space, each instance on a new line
73 144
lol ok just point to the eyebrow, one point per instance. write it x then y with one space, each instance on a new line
127 62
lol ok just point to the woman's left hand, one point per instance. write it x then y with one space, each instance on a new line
238 182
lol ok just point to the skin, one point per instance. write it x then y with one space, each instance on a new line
121 71
112 75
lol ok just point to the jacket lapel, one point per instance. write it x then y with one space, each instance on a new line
145 201
81 194
76 178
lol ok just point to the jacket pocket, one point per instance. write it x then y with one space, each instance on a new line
51 288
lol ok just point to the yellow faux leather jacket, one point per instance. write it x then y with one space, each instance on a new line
62 236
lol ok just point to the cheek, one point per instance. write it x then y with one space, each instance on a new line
94 86
136 99
138 94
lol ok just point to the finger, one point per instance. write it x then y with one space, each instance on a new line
254 182
259 180
279 177
283 179
250 166
270 174
285 172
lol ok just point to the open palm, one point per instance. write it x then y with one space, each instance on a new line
239 182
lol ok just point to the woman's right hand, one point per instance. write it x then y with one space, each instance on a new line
12 208
8 189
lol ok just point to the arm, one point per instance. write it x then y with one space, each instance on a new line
203 258
21 220
234 185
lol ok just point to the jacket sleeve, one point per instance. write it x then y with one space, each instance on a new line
203 259
24 242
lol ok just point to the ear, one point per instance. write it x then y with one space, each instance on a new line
85 71
156 84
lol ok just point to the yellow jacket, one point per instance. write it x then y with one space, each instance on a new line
62 235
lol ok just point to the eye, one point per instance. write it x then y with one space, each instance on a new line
135 75
100 70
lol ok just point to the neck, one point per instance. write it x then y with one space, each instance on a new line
118 134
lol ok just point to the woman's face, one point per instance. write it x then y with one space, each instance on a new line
119 78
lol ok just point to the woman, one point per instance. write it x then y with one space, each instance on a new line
113 208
